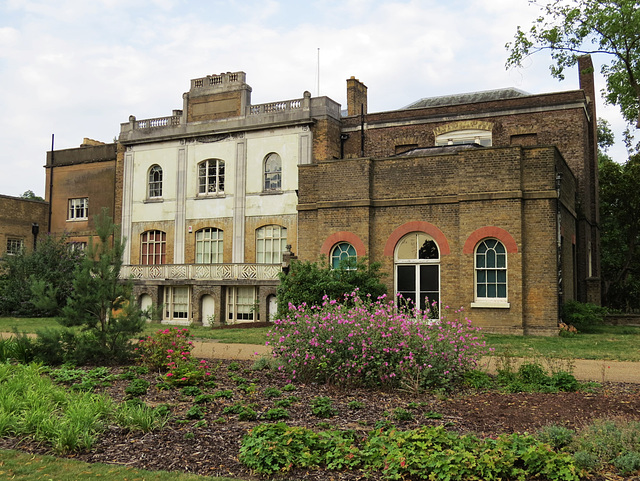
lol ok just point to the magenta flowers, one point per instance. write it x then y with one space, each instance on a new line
375 343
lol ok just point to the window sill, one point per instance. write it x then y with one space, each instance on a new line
491 304
272 192
79 219
210 196
153 200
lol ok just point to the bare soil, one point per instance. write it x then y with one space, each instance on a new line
212 449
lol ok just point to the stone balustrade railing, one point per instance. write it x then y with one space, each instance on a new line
170 121
274 107
211 272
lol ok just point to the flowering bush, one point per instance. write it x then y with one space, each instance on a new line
374 344
169 350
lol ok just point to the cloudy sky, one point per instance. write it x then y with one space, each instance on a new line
78 68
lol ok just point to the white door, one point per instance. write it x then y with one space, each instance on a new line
208 310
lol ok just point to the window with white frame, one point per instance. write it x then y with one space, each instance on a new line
209 246
211 176
14 246
153 247
491 271
272 173
155 181
417 272
78 209
176 303
271 242
343 251
457 137
241 304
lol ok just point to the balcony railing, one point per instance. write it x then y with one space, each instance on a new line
171 121
205 272
274 107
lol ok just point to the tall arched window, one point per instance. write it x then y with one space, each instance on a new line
271 242
153 247
209 246
417 271
491 270
155 182
211 176
272 172
343 251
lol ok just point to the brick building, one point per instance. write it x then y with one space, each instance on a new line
485 200
79 183
21 221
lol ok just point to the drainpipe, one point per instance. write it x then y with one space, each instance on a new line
559 242
50 185
361 130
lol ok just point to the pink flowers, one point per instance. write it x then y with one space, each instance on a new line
160 352
372 343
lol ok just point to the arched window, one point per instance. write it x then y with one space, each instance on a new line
153 247
271 242
417 271
209 246
155 182
343 251
211 176
272 172
456 137
491 270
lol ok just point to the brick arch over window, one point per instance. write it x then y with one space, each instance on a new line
463 125
343 236
490 231
417 226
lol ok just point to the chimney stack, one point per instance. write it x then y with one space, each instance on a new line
356 97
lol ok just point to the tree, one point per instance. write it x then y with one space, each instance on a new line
29 194
620 232
101 302
310 281
38 283
572 28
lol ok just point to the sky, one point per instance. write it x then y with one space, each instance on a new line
78 68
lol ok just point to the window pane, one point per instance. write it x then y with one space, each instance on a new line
428 250
406 278
491 258
407 247
429 278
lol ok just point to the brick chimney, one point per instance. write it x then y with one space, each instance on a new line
356 96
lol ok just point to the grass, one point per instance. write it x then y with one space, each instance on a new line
29 467
231 336
615 343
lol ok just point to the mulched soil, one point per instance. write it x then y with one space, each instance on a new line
213 449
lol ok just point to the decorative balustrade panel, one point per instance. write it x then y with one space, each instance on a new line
159 122
275 107
211 272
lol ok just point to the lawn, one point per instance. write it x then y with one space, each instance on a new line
616 343
30 467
